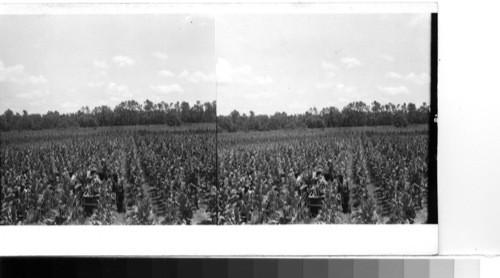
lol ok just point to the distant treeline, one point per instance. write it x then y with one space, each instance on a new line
126 113
354 114
174 114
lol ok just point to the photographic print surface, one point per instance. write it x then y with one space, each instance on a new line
108 119
324 118
225 119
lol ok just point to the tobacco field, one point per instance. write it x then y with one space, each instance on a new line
192 175
122 175
351 175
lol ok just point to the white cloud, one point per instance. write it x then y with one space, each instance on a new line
350 62
260 95
344 100
160 55
38 103
34 94
330 74
17 74
166 73
37 79
68 105
346 89
324 85
95 84
388 58
166 89
244 74
394 91
329 66
419 79
393 75
121 97
17 69
123 61
101 64
117 88
197 77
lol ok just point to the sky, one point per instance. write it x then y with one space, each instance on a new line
290 63
54 62
261 62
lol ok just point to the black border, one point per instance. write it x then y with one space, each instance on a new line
432 202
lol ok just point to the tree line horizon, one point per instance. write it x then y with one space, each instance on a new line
131 112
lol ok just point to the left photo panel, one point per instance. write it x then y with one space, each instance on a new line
108 119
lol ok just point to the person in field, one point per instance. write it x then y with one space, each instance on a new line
345 196
120 195
104 172
330 175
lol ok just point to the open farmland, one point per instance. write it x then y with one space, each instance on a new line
118 175
337 175
191 175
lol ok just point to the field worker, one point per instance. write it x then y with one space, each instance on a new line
299 179
73 177
77 190
95 180
282 181
344 194
318 185
65 173
96 184
120 196
322 185
233 195
318 172
90 172
104 166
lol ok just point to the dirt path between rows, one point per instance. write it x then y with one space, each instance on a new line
130 198
369 185
350 176
150 192
121 217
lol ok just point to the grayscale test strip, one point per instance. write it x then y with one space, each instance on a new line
238 268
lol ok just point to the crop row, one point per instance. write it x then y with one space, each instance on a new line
148 176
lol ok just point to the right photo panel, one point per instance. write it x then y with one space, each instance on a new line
325 119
